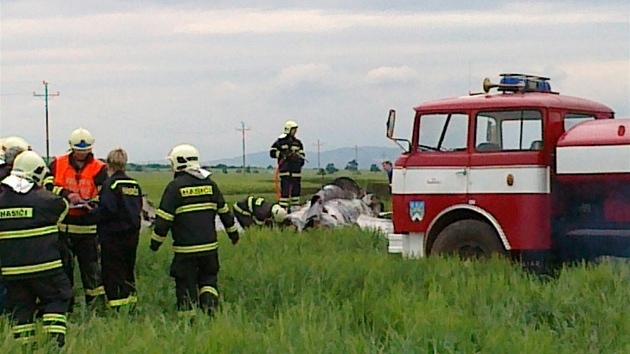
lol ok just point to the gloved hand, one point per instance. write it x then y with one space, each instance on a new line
234 236
285 155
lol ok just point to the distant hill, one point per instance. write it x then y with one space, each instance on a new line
367 155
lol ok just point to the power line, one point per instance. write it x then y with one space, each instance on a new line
243 130
46 95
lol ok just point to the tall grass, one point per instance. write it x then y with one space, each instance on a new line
338 291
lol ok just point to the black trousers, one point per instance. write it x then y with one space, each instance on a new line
118 261
290 191
196 280
85 249
53 292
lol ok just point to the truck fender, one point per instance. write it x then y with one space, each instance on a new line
482 213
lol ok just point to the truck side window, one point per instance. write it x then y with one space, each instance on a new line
443 132
508 131
573 119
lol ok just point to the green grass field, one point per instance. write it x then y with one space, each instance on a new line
338 291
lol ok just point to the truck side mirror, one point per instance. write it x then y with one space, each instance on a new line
391 121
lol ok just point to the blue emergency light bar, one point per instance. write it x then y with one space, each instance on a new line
529 83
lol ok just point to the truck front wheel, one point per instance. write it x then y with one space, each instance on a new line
468 239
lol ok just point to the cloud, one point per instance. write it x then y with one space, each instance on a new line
311 72
389 74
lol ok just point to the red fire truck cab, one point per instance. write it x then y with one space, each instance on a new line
523 171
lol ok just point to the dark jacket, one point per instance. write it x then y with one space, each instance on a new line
5 171
289 152
120 205
252 210
28 233
188 209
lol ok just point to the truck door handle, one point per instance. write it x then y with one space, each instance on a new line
461 173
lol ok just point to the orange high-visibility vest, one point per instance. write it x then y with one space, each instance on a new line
81 182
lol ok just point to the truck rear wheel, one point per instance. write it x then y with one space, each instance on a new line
468 239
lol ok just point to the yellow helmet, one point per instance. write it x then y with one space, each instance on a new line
81 140
279 213
289 125
30 166
184 157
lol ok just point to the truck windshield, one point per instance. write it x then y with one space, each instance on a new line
443 132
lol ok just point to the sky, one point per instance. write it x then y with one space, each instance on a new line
146 75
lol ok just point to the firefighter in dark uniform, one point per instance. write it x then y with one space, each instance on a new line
118 214
78 176
289 152
29 251
188 209
258 211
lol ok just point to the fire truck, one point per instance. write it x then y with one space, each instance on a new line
521 171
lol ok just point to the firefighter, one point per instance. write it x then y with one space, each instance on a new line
29 251
78 176
188 209
257 211
118 214
289 152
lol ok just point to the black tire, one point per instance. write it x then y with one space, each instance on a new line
468 239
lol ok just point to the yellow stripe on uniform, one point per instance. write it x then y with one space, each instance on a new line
164 215
120 302
250 201
157 237
31 268
54 329
95 292
40 231
57 190
54 317
240 210
196 248
209 289
232 228
23 328
224 210
195 207
77 229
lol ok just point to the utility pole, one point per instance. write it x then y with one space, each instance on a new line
319 162
46 95
243 130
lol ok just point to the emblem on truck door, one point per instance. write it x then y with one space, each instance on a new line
416 210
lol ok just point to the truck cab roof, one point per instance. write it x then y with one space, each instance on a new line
510 100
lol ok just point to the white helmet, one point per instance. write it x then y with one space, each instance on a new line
279 213
81 140
289 125
15 141
30 166
184 157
